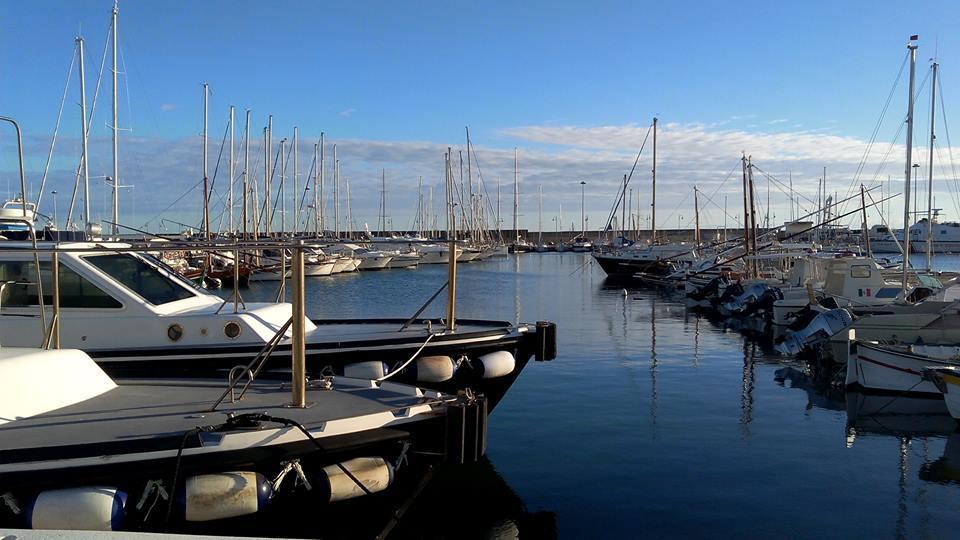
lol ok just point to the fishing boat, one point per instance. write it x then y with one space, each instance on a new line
893 368
79 449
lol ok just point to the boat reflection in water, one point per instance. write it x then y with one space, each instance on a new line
449 501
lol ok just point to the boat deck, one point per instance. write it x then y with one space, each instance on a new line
156 413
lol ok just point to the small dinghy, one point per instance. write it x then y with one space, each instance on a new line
79 450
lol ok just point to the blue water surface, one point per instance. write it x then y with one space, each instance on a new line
654 421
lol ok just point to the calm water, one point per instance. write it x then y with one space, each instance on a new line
655 421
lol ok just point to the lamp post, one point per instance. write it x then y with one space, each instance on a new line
583 220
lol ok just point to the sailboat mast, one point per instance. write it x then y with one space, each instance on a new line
83 128
540 216
864 226
116 162
933 137
316 186
746 214
246 170
653 200
383 201
323 224
912 47
268 178
516 197
472 223
696 216
283 184
206 179
232 168
296 181
336 193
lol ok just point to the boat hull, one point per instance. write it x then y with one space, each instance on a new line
883 369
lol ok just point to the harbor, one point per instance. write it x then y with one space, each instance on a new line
516 272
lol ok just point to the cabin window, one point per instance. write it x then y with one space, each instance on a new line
75 290
943 231
887 292
145 280
882 229
860 271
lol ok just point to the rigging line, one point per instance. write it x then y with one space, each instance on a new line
622 187
89 121
883 112
946 131
174 203
951 187
213 181
780 185
268 197
56 129
854 184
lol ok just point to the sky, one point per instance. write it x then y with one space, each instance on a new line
573 86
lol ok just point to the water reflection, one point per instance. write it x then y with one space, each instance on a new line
463 501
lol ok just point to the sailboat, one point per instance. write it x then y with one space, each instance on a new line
625 262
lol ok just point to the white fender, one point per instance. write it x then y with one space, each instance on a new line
435 368
223 495
497 364
365 370
91 508
373 472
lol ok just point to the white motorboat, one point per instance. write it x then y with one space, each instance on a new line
136 316
409 259
78 449
435 253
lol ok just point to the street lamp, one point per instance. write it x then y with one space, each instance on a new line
583 220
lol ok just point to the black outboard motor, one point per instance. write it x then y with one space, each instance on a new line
708 290
734 290
764 303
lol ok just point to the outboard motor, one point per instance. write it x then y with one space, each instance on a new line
764 303
733 290
708 290
750 295
814 334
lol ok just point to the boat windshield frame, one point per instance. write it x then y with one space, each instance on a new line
157 267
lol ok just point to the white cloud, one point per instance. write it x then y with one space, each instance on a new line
558 157
167 107
347 112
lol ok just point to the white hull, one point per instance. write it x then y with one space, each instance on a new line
404 261
875 367
378 262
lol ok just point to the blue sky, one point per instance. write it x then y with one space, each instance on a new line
573 85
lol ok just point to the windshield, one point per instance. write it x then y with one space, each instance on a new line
145 280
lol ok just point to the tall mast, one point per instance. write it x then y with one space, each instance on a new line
266 186
246 170
296 182
472 224
336 193
653 200
232 172
206 179
746 214
912 47
696 216
323 224
933 137
753 210
116 162
383 200
268 178
516 197
316 187
623 209
540 216
863 225
83 128
283 192
349 211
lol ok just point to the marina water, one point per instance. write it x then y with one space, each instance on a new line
656 421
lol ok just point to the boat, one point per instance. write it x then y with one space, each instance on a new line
398 259
78 449
895 368
946 380
136 316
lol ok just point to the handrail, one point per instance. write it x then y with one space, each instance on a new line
261 357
